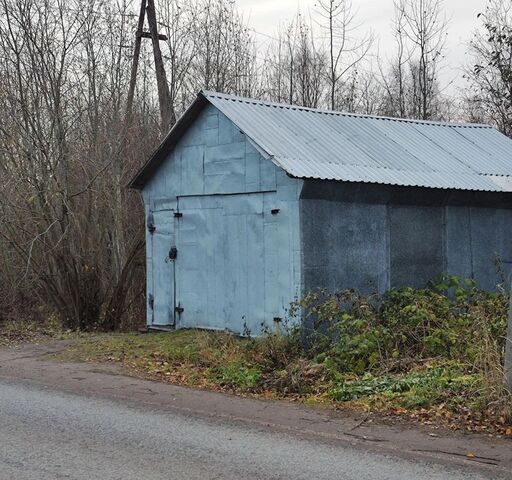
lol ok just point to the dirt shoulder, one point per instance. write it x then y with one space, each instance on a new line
33 364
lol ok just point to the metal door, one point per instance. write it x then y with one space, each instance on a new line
220 267
199 266
163 268
244 264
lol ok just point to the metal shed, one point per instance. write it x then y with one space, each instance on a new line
251 204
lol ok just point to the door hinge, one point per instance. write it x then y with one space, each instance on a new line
151 223
151 301
179 310
178 214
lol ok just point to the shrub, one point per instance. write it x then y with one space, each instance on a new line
381 339
448 320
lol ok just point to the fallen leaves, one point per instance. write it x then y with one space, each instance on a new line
17 332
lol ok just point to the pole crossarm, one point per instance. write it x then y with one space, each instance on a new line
147 8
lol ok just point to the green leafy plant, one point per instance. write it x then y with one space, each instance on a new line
237 374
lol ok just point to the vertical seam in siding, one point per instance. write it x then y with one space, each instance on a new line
387 239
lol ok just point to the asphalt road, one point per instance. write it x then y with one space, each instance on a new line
46 434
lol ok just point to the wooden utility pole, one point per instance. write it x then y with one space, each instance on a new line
164 97
135 63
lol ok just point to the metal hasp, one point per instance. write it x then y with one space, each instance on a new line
178 214
173 253
179 309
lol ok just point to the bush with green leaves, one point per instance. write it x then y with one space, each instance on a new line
356 333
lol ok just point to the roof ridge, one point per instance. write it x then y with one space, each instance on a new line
268 103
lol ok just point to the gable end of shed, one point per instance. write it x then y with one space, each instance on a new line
203 123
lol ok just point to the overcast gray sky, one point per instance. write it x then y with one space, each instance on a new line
265 16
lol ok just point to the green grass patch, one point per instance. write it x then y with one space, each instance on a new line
178 346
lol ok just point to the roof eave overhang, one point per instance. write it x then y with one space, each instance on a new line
169 142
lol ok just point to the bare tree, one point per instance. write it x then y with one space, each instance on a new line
345 51
294 67
422 24
66 72
177 19
369 94
491 94
224 49
491 76
395 82
76 126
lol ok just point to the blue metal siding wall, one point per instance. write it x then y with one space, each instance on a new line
149 261
213 157
215 177
163 268
235 262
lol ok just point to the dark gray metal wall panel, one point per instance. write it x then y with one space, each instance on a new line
479 244
458 242
504 220
354 236
484 245
416 244
344 246
491 245
399 195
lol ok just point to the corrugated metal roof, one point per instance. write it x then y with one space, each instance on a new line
310 143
